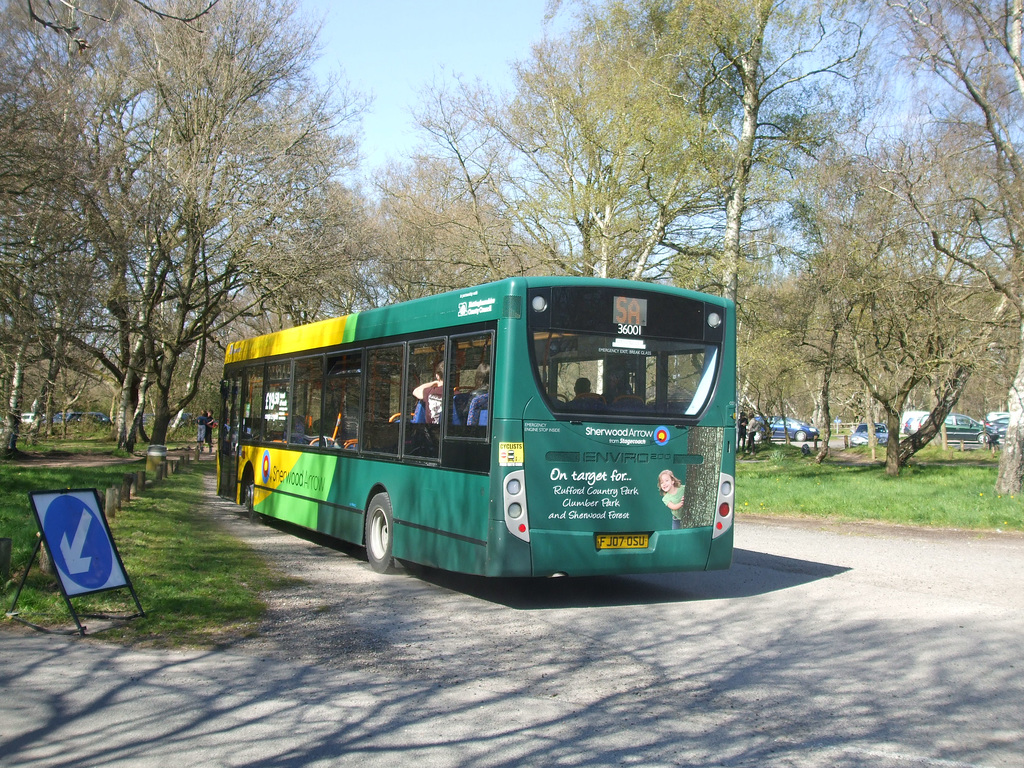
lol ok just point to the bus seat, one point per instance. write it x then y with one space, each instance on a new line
460 410
419 416
478 410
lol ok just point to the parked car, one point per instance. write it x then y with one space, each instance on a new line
996 415
996 429
911 421
859 436
799 431
77 417
960 427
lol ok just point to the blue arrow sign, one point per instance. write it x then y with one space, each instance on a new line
79 541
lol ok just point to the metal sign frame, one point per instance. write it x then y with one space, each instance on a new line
82 550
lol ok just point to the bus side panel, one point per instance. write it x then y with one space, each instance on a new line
440 515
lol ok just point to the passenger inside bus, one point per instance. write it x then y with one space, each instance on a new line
480 397
431 394
584 398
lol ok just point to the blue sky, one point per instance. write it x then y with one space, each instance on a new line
393 48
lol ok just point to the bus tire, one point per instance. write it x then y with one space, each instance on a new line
379 533
248 492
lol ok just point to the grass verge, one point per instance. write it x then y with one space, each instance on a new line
199 586
941 489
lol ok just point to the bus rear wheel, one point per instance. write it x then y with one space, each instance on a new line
379 533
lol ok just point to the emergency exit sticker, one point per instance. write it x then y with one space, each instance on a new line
510 454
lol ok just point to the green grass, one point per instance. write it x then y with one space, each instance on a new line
198 586
941 489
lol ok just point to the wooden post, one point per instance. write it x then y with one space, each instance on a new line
126 487
140 482
110 503
45 563
5 559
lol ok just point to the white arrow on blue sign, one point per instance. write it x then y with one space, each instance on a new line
79 541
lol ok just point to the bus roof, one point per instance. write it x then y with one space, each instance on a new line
459 307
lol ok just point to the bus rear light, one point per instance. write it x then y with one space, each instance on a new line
726 487
514 502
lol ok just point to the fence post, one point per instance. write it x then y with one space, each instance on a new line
140 482
126 488
45 563
110 503
5 559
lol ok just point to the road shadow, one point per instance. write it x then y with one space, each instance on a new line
751 574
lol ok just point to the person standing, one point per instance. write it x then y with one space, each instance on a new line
202 426
210 424
741 428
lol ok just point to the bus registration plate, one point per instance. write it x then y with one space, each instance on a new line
622 540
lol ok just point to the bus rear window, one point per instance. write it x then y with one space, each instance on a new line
598 376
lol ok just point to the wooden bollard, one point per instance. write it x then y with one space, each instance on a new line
45 561
5 559
140 482
110 503
126 488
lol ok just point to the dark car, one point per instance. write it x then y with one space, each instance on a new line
859 436
778 427
960 427
996 429
79 417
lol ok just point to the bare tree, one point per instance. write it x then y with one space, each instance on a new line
908 313
72 18
970 54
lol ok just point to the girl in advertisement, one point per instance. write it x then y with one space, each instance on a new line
672 489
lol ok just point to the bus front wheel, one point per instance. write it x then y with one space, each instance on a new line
379 533
248 492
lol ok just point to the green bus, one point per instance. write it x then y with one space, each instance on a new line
527 427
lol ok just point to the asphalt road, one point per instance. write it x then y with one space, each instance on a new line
823 646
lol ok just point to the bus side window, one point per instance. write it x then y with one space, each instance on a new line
382 410
342 392
276 401
305 427
426 373
252 405
471 382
